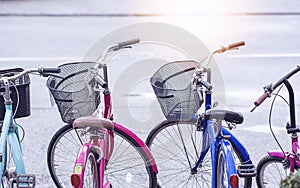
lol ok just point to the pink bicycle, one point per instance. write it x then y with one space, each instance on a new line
109 154
274 167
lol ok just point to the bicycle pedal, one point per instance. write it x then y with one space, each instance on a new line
25 181
246 170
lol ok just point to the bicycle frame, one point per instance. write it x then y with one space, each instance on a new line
105 143
221 139
289 156
102 148
10 134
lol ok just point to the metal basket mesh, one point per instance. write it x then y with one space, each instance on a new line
73 91
172 85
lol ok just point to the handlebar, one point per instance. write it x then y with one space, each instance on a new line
7 78
41 71
231 46
261 99
236 44
202 67
270 88
287 76
224 48
115 47
128 43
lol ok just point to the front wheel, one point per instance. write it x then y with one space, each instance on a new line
127 167
176 146
91 170
221 172
270 171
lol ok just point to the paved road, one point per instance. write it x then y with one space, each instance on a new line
48 33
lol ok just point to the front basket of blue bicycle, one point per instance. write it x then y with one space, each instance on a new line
173 87
73 91
20 93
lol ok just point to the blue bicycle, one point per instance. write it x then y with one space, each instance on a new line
181 144
15 103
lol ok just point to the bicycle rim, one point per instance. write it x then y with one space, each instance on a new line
270 172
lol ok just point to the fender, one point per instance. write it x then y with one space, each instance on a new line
80 161
229 159
141 143
279 154
238 144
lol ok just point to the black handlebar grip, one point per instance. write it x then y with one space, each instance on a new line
100 81
261 99
236 44
128 42
48 70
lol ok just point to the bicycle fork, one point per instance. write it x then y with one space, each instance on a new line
290 160
100 143
225 142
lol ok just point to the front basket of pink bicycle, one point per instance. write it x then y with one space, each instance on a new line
73 91
173 87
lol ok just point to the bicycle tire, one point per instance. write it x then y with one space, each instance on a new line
221 175
91 170
270 171
126 150
164 138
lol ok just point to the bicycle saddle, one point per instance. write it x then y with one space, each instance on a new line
94 122
230 116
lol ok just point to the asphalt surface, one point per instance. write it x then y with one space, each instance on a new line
49 33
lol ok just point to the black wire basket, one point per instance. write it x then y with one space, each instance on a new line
173 87
73 91
19 93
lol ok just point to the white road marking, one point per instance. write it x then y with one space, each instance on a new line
20 59
252 55
263 129
265 55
